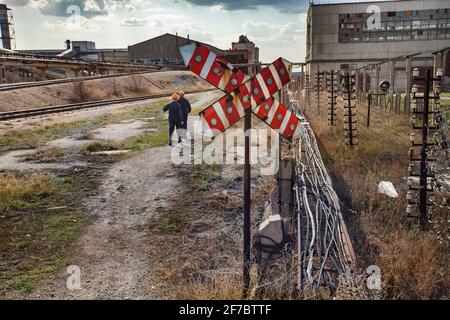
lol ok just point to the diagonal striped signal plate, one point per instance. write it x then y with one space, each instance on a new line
213 68
242 92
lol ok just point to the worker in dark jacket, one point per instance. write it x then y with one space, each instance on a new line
186 109
175 117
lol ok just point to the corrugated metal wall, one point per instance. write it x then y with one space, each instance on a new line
162 47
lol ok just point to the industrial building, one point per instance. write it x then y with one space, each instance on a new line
245 48
84 50
404 34
164 50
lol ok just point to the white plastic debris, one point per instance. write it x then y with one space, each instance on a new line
387 188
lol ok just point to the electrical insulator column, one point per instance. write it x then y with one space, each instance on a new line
349 96
426 120
318 89
332 97
307 90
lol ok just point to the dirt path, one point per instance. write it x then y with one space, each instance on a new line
112 252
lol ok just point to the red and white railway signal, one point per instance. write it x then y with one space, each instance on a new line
242 92
213 68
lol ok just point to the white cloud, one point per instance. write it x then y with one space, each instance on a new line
134 22
91 5
78 24
275 40
217 8
281 32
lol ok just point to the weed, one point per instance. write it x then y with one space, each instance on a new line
20 193
39 223
98 146
172 223
413 264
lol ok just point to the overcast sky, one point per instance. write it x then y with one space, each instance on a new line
278 27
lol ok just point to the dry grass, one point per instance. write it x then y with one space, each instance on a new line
84 93
198 240
47 155
80 93
414 264
38 221
20 193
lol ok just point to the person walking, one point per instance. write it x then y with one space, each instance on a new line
175 117
186 109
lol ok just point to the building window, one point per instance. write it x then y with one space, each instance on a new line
398 25
441 34
425 24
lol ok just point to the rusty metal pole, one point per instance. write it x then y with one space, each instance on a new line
408 73
279 177
377 84
364 90
247 197
392 76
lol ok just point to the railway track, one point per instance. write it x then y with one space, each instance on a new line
24 85
11 115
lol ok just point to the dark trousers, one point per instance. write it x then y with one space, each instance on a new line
172 127
185 120
183 128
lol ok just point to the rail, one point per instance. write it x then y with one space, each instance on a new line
11 115
72 61
24 85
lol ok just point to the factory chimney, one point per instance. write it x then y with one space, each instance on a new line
68 44
5 31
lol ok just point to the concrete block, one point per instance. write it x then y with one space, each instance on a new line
272 231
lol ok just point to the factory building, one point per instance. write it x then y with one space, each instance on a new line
84 50
345 36
245 52
163 50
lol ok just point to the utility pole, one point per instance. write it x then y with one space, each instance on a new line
247 199
392 76
426 173
349 114
331 87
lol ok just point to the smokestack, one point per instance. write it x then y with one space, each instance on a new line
67 44
5 33
189 40
176 38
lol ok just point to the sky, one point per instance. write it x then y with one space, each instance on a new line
277 27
